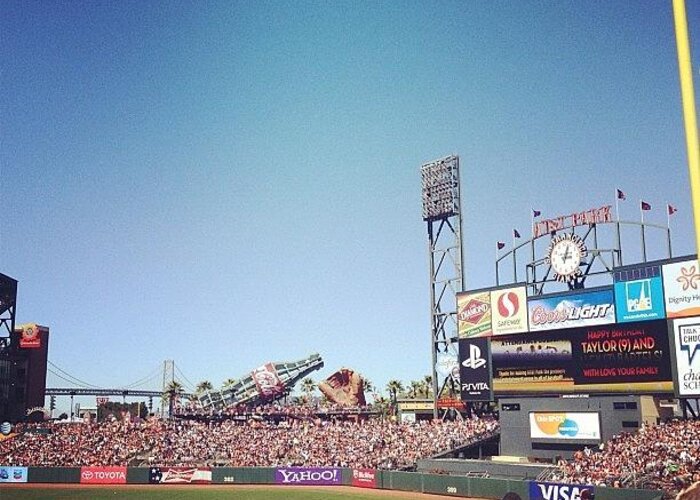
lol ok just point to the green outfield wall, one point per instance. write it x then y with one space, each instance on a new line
442 484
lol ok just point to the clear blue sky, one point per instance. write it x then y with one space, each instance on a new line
228 183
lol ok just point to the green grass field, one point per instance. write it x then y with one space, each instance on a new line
195 492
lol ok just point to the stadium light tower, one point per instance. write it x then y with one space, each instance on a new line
442 213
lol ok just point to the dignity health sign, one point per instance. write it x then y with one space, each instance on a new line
317 476
682 289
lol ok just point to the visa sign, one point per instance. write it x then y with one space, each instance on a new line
556 491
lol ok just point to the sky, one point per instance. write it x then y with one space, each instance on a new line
224 184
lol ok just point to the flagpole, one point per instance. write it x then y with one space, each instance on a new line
532 245
618 236
668 229
497 283
515 265
644 246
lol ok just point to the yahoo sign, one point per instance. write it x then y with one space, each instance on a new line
318 476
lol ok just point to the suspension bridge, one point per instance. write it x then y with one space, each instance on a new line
155 384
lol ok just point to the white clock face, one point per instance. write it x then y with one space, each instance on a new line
565 257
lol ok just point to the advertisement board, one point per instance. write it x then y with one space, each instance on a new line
179 475
267 381
596 307
509 310
639 294
686 339
583 426
364 478
557 491
619 358
103 475
682 289
318 476
13 474
474 314
30 336
447 363
475 369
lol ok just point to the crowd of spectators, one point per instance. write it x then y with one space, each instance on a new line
664 456
271 411
372 443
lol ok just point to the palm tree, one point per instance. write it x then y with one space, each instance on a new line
394 387
308 386
171 393
367 384
428 381
203 387
229 382
415 388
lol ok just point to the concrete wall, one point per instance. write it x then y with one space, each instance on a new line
494 469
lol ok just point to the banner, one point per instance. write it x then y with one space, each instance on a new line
30 336
583 426
474 314
686 336
509 310
556 491
267 382
622 358
682 289
179 475
639 294
364 478
572 310
13 474
475 370
103 475
318 476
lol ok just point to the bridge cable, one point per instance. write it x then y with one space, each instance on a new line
82 382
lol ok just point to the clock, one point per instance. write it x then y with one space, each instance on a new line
564 254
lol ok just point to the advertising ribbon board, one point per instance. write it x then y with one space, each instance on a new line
509 311
103 475
581 426
318 476
474 314
364 478
13 474
596 307
556 491
620 358
475 369
179 475
682 289
686 337
639 294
